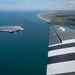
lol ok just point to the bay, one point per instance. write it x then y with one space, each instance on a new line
26 52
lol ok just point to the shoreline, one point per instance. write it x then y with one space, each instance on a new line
58 18
39 15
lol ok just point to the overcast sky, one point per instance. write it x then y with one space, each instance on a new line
37 4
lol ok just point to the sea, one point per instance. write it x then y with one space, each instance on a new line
26 52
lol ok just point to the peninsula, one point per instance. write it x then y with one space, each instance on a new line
59 18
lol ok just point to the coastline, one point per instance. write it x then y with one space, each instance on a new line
58 18
39 15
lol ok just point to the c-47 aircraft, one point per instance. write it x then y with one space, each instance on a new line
11 29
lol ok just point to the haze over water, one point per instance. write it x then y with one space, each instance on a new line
26 52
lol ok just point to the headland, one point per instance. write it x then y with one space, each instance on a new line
59 18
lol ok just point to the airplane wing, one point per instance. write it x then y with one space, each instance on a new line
61 52
4 31
60 34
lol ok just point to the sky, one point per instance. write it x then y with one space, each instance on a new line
37 4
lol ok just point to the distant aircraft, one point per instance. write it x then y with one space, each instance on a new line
11 29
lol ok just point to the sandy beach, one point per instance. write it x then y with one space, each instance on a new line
40 15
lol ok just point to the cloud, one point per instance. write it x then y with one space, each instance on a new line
23 4
66 5
71 2
37 4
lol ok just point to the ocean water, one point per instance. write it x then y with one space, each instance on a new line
26 52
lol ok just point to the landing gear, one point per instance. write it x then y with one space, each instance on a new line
15 33
20 31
